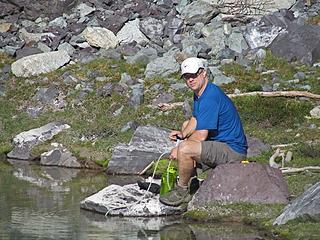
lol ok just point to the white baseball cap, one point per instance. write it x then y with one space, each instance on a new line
192 65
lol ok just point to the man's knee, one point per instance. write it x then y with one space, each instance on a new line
190 148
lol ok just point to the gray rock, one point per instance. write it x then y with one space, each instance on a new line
145 55
43 47
238 182
130 32
258 35
58 22
83 9
136 96
306 206
299 43
128 201
163 66
39 63
236 42
216 41
27 51
109 54
66 47
146 145
163 98
192 46
46 95
256 147
153 29
198 11
300 75
173 27
179 86
25 141
315 112
59 157
222 79
129 125
126 79
33 37
100 37
34 112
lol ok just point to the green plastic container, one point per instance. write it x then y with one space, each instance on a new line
168 180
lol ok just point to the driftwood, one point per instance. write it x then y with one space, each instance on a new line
285 157
283 145
278 94
296 170
170 106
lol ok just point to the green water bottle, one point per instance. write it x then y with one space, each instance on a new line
168 179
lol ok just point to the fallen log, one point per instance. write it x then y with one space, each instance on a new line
296 170
170 106
278 94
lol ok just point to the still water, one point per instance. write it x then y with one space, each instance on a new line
43 203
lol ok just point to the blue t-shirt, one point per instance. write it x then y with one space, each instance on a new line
216 113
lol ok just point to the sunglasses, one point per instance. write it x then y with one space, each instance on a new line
187 76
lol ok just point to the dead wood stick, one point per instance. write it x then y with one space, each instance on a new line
296 170
278 94
146 168
169 106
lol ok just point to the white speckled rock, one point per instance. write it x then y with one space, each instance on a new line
128 200
39 63
100 37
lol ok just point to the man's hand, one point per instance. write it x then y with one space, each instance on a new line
174 153
174 135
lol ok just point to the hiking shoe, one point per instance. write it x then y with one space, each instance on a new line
176 196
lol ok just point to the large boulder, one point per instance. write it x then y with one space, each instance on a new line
146 145
299 43
25 141
100 37
238 182
198 11
61 157
306 206
129 201
39 63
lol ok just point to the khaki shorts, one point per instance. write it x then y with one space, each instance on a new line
214 153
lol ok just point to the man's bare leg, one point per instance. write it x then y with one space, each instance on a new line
188 152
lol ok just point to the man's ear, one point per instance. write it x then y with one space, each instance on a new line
205 72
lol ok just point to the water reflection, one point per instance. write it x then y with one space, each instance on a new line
44 203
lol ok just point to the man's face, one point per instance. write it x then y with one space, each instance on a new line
195 81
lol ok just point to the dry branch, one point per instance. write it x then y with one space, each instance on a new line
169 106
244 7
296 170
278 94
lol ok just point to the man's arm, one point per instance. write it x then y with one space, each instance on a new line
187 130
199 135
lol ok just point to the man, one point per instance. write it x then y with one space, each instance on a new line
213 135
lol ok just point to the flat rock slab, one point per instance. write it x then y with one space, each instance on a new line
146 145
237 182
39 63
25 141
128 200
306 206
